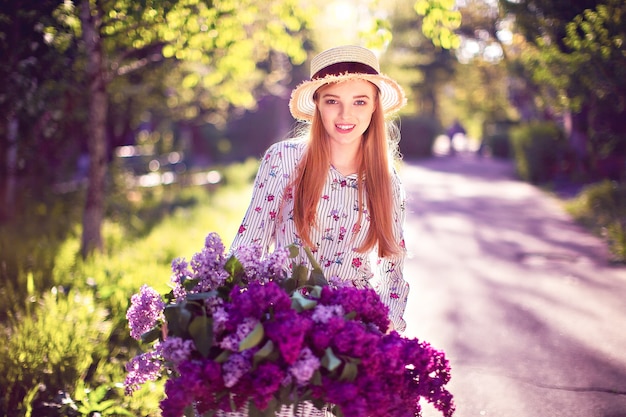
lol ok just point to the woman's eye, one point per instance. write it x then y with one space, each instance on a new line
331 101
360 103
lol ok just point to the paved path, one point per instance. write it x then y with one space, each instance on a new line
523 301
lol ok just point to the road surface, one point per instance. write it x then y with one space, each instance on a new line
523 301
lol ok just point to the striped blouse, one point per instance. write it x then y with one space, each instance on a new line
336 236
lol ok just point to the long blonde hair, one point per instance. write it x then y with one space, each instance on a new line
378 150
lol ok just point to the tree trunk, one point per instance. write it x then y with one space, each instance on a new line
575 125
96 131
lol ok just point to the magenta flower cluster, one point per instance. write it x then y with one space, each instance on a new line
242 336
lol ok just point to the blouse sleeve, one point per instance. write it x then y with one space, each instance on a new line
258 226
391 286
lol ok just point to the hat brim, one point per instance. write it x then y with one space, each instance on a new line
302 105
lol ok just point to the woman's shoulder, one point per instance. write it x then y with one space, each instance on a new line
288 145
287 148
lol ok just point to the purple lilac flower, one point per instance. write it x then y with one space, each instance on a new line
323 313
322 335
197 381
250 259
276 264
220 318
141 369
354 340
302 370
179 274
287 330
175 349
266 381
145 310
336 282
257 300
232 340
364 302
208 264
235 367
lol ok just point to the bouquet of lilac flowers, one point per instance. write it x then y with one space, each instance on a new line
246 333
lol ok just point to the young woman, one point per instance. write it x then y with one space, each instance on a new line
334 190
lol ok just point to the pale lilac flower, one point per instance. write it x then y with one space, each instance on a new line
323 313
235 367
337 282
276 264
175 349
249 257
141 369
145 310
302 370
208 264
180 273
220 317
231 342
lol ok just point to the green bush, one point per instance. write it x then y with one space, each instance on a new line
53 345
499 145
540 151
602 208
496 138
418 136
68 346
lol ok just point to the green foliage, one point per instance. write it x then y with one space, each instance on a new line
55 343
440 19
540 151
602 208
496 138
28 243
74 339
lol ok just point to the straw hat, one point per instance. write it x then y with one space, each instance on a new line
339 64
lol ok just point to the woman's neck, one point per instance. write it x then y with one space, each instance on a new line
345 158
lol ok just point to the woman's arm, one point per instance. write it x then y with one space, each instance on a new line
391 286
259 223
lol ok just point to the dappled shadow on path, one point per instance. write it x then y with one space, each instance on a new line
521 298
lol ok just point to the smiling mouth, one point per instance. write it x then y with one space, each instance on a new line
345 127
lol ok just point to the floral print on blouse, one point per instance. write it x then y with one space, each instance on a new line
337 235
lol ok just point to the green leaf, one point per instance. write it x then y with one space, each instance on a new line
300 275
98 394
300 303
316 266
252 339
317 278
233 267
330 361
201 330
151 335
265 353
189 411
316 291
336 410
201 295
349 372
189 283
293 251
178 318
317 378
290 285
223 356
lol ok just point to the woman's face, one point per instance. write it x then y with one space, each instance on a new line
346 109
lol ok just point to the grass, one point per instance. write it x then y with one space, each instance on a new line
66 325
